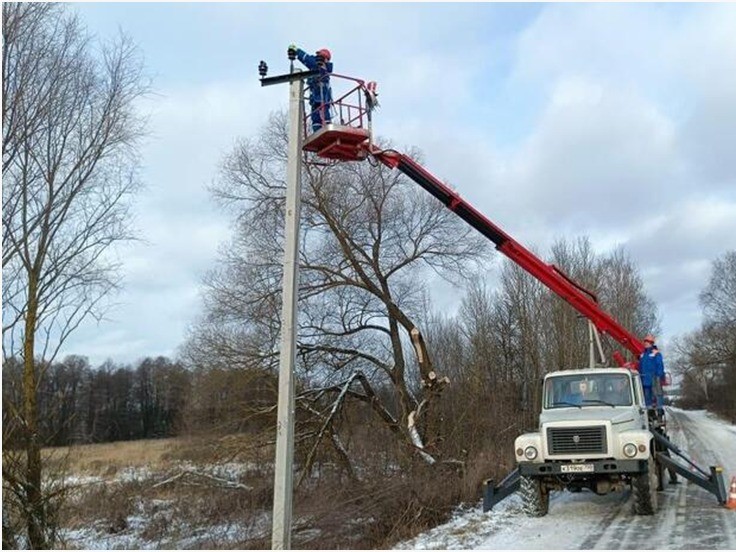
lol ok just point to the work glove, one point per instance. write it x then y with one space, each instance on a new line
292 48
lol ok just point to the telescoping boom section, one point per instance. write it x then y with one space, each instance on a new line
579 298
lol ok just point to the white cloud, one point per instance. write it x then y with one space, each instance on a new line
596 155
632 143
621 45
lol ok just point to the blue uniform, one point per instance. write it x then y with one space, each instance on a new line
651 370
573 398
320 93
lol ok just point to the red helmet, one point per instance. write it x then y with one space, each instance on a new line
325 53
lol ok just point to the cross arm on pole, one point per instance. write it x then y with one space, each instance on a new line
288 77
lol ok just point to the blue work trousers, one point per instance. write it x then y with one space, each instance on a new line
320 115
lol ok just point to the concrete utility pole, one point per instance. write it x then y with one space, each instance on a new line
591 344
284 472
284 464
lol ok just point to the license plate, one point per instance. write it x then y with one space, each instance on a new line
577 468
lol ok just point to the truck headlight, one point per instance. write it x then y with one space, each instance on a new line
630 450
530 453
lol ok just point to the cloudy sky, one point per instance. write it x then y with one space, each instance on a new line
615 121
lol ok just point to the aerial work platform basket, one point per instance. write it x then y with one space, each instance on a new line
345 132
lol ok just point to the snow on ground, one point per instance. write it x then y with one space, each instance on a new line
229 471
96 538
134 533
508 528
712 429
689 517
78 480
468 528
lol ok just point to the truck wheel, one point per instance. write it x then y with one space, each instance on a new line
534 497
644 489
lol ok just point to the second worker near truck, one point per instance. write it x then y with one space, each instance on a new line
651 370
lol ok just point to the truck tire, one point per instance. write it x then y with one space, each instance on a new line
644 490
534 496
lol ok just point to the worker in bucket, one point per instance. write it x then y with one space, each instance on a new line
320 93
651 370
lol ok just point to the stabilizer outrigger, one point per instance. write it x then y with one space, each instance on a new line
493 494
712 481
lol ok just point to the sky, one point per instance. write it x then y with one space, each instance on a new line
614 121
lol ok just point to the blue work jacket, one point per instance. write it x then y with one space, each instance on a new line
319 86
651 366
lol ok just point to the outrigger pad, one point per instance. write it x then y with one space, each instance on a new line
339 142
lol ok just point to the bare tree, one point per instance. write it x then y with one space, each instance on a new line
718 299
521 331
369 237
622 294
70 130
706 358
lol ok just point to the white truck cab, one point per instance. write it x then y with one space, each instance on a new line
593 433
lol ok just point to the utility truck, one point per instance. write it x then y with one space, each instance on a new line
595 429
593 433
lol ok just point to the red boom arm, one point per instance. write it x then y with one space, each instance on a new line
580 299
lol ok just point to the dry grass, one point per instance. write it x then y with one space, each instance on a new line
158 454
148 492
106 457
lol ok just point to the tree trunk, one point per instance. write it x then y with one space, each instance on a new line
35 520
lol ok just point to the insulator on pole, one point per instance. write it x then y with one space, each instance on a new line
262 69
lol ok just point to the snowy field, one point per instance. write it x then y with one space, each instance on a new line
689 517
157 523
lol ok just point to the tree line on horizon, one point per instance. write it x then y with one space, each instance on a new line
81 404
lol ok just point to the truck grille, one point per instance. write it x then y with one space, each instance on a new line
577 440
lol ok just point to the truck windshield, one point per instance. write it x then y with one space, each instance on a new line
583 390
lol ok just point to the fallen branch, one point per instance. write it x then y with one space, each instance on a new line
327 424
219 481
416 439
